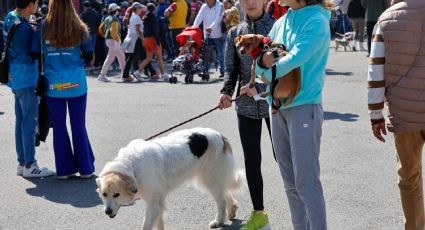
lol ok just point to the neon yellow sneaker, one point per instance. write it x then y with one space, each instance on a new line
257 220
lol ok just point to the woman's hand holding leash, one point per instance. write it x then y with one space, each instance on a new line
225 101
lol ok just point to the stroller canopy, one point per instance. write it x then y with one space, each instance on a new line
195 33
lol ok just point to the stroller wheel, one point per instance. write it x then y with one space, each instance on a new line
207 77
170 80
174 80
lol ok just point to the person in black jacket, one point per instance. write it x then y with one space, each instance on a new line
250 113
356 13
92 19
151 41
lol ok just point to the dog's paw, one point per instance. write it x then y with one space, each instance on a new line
215 224
232 212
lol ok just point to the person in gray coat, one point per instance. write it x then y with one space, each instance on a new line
250 113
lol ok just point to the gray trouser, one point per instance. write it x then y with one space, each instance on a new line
296 134
358 27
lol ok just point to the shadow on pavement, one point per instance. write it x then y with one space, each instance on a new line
331 72
80 193
235 225
349 117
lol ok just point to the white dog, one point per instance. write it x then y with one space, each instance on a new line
151 169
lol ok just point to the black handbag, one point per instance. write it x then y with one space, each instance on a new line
4 62
42 81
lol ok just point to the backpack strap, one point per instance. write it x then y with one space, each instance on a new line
11 33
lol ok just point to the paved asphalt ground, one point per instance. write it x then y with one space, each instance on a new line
358 173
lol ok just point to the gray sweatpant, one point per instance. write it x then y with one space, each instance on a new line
296 134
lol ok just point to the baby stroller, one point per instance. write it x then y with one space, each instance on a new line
190 61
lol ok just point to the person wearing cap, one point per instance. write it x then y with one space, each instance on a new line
92 19
135 32
110 29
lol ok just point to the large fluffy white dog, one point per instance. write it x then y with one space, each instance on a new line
152 169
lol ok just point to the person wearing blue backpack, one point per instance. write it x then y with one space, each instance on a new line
64 50
23 76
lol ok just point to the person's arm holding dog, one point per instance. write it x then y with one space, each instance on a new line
304 48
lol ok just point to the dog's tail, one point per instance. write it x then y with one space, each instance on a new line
227 149
239 179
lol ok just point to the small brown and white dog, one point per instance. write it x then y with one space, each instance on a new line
345 41
150 170
286 87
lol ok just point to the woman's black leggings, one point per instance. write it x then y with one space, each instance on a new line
250 135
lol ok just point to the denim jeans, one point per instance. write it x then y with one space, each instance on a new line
219 44
79 157
296 134
26 111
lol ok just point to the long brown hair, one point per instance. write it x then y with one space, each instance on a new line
63 27
325 3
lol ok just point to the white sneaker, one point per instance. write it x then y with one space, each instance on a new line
137 76
88 176
165 77
103 78
35 171
20 170
65 177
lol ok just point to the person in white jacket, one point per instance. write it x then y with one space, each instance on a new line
210 15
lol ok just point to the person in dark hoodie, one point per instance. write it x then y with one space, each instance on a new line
250 113
356 13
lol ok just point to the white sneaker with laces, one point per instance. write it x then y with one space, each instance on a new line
103 78
35 171
20 170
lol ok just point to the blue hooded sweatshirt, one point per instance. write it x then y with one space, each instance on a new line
23 70
305 33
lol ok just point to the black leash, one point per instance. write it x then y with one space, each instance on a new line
187 121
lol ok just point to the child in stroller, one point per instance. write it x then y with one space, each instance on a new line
188 62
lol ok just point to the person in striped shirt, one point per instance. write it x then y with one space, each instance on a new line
397 77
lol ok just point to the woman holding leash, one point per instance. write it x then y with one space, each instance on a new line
250 113
297 128
64 49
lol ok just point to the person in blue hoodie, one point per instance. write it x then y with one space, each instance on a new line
297 128
64 51
23 76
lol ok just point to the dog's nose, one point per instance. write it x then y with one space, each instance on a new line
108 211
